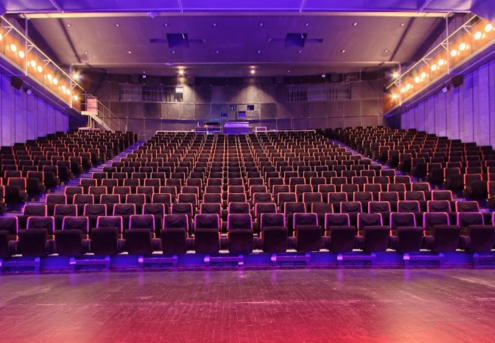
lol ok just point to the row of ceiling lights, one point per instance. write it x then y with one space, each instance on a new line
261 24
53 80
454 52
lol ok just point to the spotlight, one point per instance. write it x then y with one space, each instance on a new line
441 62
253 71
453 53
76 97
478 35
403 90
21 54
49 77
13 47
39 69
488 27
417 79
181 72
63 88
55 81
1 37
434 67
33 63
76 76
394 96
29 91
462 46
323 75
408 86
395 75
68 92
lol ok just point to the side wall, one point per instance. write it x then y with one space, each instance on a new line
466 113
24 117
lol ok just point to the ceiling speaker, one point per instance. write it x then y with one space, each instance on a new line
16 82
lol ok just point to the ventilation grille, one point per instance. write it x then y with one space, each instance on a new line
149 93
308 93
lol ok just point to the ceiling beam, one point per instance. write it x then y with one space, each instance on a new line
57 6
168 13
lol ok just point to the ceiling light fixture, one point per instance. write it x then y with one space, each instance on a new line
343 51
69 26
253 71
423 75
385 51
39 69
355 23
259 51
85 52
478 35
453 53
261 24
434 67
76 76
33 63
417 79
462 46
13 47
68 92
394 96
403 90
306 24
129 52
55 81
21 54
181 72
395 75
441 62
488 27
76 97
402 24
117 25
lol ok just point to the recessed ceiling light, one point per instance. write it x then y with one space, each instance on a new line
173 51
217 52
402 24
214 24
165 24
181 72
117 25
355 23
129 52
259 51
300 51
85 52
261 24
253 71
306 24
385 51
288 71
343 51
69 25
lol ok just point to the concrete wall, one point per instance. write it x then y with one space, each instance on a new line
24 117
466 113
205 103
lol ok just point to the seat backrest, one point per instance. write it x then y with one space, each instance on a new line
176 221
135 199
184 208
161 198
110 221
369 219
267 207
442 195
388 196
363 196
236 197
239 221
467 206
402 219
10 224
35 210
336 219
36 222
207 221
142 221
430 220
466 219
408 206
379 207
211 208
65 210
294 207
438 206
321 207
337 197
95 210
156 209
272 220
239 207
415 195
124 209
304 219
76 223
351 207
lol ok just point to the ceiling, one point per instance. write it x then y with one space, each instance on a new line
229 38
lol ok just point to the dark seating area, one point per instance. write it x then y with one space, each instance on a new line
275 192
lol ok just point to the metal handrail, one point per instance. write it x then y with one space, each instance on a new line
109 118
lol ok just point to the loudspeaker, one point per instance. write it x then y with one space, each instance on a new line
16 82
457 81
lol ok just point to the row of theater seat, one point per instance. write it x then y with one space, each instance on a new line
192 166
337 235
456 165
29 169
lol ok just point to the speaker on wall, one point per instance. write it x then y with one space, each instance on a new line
457 81
16 82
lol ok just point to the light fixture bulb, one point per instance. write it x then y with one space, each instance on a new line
462 46
434 67
488 27
55 81
13 47
453 53
21 54
441 62
423 75
394 96
39 69
417 79
403 90
33 63
478 35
